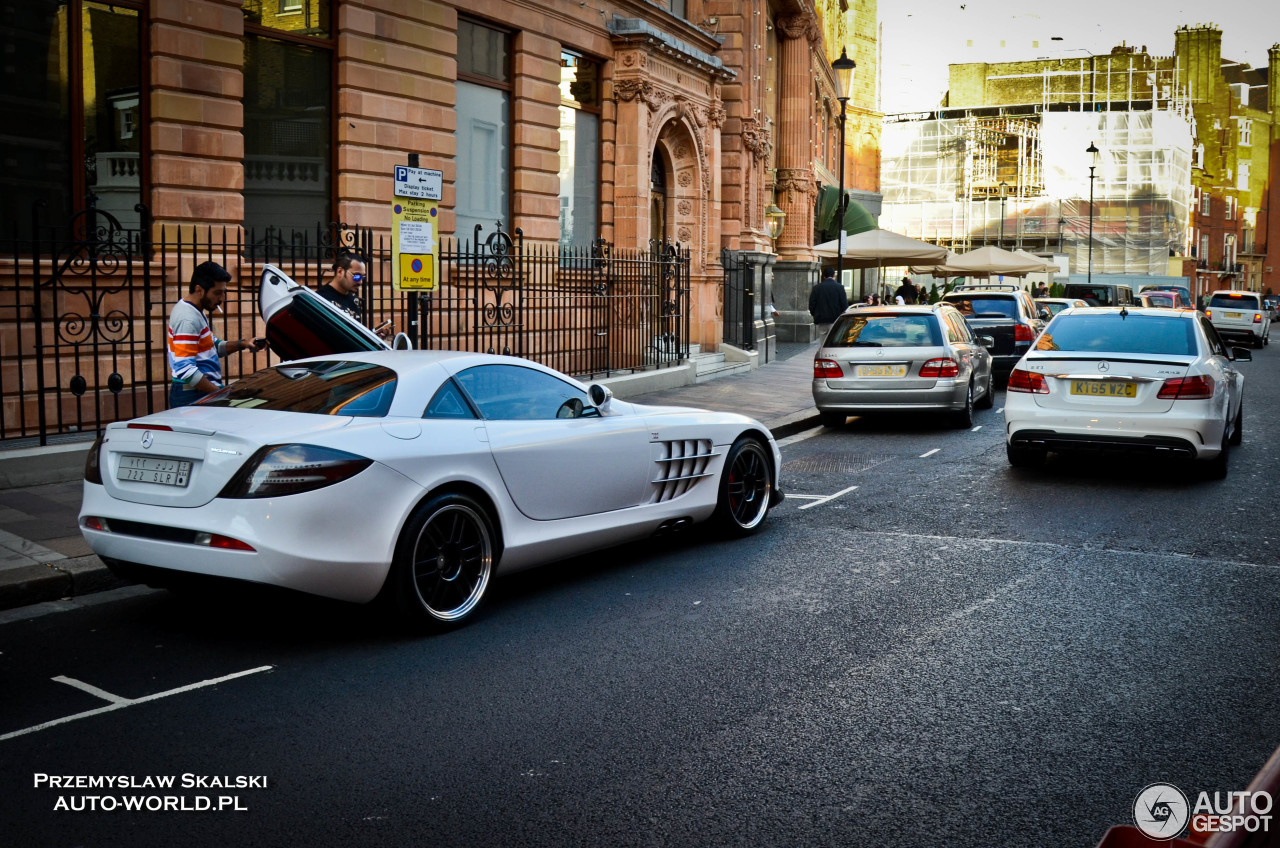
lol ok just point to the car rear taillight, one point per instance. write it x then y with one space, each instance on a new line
826 369
1187 388
1257 317
940 368
291 469
1023 333
226 543
1208 313
92 469
150 427
1028 382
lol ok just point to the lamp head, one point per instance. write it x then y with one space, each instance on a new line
774 220
843 68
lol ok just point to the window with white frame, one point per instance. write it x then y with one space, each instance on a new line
1242 179
1197 156
1204 248
484 129
1206 204
1246 132
579 149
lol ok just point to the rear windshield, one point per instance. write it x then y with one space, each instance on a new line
985 306
1238 301
1160 300
360 389
885 329
1098 295
1112 333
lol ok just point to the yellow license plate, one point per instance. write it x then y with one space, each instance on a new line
1231 315
1104 388
882 370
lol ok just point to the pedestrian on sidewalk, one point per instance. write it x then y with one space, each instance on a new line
194 353
827 301
907 291
348 276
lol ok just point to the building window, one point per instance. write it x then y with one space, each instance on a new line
680 8
1204 249
1242 179
1205 203
72 140
484 128
1197 156
579 150
1246 132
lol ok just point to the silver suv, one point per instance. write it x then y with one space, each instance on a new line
902 359
1239 315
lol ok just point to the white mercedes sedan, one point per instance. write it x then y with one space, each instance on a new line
1127 380
413 477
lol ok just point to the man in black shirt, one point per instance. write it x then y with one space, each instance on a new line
907 291
348 275
827 301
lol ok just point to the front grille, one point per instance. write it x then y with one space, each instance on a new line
680 466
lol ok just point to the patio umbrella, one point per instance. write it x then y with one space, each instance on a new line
986 261
879 248
942 269
1048 266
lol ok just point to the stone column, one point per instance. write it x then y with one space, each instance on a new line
796 272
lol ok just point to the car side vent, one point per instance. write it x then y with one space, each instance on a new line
682 463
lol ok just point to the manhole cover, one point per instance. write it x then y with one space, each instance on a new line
833 463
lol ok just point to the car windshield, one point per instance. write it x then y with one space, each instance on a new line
1053 306
1118 332
340 387
1101 295
978 305
885 329
1234 301
1159 300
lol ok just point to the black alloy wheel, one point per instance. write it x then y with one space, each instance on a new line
746 486
444 562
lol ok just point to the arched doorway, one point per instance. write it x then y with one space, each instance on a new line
658 197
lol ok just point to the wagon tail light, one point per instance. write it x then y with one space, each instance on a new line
940 368
1028 382
1257 317
1187 388
826 369
1208 313
277 470
1023 333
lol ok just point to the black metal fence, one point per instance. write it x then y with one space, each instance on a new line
84 304
739 300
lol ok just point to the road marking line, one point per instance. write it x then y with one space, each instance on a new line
1000 410
976 429
129 703
930 453
800 437
829 497
92 690
806 497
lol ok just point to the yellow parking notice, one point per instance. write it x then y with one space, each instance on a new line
414 233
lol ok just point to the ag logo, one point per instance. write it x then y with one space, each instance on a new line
1160 811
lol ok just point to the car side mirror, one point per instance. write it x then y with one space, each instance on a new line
600 397
987 341
402 342
1241 354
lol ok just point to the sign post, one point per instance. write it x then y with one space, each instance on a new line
415 240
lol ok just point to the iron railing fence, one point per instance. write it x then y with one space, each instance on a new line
84 305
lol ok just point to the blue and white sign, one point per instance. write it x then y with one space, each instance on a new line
420 183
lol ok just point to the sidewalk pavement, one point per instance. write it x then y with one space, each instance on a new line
43 557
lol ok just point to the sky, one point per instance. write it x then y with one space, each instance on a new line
921 37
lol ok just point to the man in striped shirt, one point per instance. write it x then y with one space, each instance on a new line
194 354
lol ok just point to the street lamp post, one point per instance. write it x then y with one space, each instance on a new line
843 68
1004 189
1093 163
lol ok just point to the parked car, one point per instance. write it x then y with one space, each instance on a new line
1239 315
410 476
1102 294
1146 381
1161 299
1056 304
1004 312
1272 302
902 359
1187 299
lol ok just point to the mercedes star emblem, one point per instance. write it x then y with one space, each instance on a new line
1104 366
146 439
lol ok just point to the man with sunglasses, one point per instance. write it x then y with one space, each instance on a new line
348 275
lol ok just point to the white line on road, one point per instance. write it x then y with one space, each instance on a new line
121 704
92 690
930 453
976 429
1000 410
829 497
800 437
806 497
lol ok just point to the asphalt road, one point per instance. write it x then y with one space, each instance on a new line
950 653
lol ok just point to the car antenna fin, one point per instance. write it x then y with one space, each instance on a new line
1124 312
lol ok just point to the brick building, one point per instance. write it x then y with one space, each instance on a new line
626 120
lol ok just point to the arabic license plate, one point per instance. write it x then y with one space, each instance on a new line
153 469
882 371
1104 388
1231 315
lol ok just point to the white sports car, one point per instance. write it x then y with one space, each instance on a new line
1129 380
412 476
